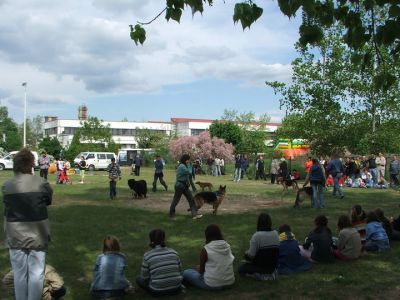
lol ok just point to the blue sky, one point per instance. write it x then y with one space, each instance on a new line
79 52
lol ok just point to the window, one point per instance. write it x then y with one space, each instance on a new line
109 156
101 156
90 155
50 131
69 130
196 131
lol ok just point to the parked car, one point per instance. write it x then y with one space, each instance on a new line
95 160
7 163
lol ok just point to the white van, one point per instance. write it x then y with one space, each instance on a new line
126 157
7 162
95 160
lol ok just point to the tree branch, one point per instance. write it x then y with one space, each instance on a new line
155 18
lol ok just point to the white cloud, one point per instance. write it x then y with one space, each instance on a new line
74 49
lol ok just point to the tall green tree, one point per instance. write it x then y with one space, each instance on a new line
227 130
244 130
333 103
51 145
9 138
93 131
147 139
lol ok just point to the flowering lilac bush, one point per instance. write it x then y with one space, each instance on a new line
200 146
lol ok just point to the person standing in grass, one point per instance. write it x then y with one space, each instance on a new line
335 168
158 173
109 272
82 167
114 173
44 164
317 179
215 271
26 226
182 185
261 260
161 272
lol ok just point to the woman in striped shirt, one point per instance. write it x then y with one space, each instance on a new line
161 272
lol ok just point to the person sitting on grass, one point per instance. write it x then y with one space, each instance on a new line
53 287
367 178
329 181
109 272
318 244
161 272
290 260
261 260
387 225
396 226
376 237
348 245
359 221
215 271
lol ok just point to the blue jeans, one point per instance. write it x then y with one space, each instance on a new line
318 195
380 246
238 174
374 174
144 284
336 186
196 279
28 267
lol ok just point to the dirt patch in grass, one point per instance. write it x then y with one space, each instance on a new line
161 201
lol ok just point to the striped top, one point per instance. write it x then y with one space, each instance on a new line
162 266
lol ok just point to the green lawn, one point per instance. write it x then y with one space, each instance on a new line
81 215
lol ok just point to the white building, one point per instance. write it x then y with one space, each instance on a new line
123 133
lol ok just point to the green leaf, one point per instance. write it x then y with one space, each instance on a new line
356 58
394 11
369 4
176 14
256 12
195 5
289 7
138 34
310 34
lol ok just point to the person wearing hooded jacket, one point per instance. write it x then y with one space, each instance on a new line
215 271
376 236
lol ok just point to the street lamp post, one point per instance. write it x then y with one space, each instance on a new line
24 84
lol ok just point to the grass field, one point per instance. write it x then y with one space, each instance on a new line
81 215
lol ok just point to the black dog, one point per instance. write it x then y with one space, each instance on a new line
138 187
302 194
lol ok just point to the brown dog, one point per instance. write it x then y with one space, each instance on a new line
203 185
213 198
289 183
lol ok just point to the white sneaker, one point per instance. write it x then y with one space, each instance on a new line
197 217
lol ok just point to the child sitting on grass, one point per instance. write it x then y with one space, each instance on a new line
318 245
161 272
261 260
359 221
215 271
290 259
376 237
349 241
109 272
